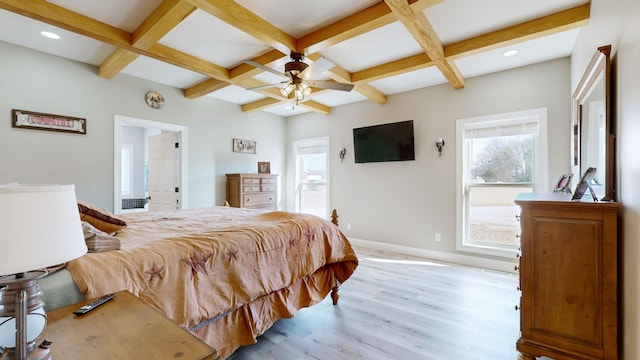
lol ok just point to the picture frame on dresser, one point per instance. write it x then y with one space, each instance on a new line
264 167
564 184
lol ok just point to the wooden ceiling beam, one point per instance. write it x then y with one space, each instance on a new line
65 19
205 87
425 35
164 18
397 67
351 26
341 75
242 19
260 104
186 61
536 28
245 71
529 30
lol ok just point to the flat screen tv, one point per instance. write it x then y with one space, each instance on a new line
386 142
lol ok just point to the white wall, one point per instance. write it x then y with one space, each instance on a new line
34 81
616 23
405 203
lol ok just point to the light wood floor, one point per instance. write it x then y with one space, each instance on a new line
394 307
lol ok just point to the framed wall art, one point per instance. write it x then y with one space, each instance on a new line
41 121
244 146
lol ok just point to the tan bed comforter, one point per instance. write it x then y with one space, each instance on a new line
244 269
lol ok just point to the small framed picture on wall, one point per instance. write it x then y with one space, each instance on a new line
264 167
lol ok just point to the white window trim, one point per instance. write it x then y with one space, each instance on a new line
540 181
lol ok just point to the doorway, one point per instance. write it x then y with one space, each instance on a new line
125 154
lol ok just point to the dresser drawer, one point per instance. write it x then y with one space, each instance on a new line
252 200
268 188
251 181
254 188
268 181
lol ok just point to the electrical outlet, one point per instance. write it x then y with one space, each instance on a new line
348 226
438 237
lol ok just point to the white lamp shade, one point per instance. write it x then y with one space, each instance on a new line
39 227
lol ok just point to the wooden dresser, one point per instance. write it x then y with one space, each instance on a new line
253 191
568 278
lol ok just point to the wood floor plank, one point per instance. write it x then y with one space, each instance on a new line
398 307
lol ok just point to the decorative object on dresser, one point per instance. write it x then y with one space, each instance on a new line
264 167
568 278
564 184
252 191
40 228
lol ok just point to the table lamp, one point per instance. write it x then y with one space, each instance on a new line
39 227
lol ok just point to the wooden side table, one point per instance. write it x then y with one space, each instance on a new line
122 328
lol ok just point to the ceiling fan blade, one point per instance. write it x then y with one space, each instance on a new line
265 68
316 69
267 86
330 85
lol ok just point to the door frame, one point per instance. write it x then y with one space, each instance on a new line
118 122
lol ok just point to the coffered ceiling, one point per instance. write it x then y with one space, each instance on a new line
382 47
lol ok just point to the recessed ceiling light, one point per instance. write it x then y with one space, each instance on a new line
50 35
510 53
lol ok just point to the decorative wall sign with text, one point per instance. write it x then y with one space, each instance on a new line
42 121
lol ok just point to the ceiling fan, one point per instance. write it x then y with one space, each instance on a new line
299 76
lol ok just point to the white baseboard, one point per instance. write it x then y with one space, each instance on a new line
467 260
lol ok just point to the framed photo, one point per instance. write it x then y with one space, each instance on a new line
264 167
244 146
563 184
584 184
41 121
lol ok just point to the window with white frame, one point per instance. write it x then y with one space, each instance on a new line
498 157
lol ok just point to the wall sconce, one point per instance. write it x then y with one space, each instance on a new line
341 153
439 145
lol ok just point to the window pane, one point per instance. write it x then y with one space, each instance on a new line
502 159
492 215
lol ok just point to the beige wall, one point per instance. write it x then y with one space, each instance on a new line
30 80
616 23
406 203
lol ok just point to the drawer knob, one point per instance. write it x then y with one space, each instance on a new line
517 307
516 268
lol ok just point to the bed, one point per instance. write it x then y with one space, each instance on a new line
225 274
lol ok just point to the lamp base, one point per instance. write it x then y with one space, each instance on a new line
20 298
38 353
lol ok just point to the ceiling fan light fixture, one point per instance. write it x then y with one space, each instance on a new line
306 89
298 94
287 89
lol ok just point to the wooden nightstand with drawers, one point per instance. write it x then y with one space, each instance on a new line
253 191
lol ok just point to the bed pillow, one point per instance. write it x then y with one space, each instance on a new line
97 240
100 218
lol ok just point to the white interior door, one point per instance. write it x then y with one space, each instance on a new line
164 184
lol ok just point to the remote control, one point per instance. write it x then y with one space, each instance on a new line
94 304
